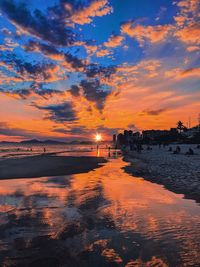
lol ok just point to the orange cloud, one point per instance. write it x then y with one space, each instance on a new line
103 53
153 34
146 68
187 23
114 41
190 33
177 73
191 72
180 20
90 49
144 87
188 6
193 48
4 79
95 9
189 10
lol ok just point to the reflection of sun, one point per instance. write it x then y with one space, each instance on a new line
98 137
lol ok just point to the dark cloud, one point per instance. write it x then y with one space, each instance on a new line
75 130
6 130
53 53
63 112
93 70
44 48
34 89
33 69
154 112
76 63
21 93
108 131
47 93
133 127
27 71
49 26
75 90
93 91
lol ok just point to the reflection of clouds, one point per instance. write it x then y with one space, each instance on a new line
106 214
34 187
5 208
137 205
102 243
111 256
155 261
147 208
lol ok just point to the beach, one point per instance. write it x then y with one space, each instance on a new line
47 165
177 172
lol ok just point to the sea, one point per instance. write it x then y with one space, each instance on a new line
17 150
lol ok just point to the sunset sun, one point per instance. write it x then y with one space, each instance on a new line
98 137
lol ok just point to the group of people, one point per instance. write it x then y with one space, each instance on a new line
178 151
138 147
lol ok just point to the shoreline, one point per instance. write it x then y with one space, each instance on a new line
47 165
177 173
33 154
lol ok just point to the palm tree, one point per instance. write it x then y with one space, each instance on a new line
180 126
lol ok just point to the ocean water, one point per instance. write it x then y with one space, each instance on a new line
105 217
18 150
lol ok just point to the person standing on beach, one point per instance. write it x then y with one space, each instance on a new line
109 151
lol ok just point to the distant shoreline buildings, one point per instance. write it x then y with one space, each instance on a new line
180 134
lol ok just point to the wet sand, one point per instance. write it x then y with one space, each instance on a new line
47 165
178 173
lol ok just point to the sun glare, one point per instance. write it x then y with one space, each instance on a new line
98 137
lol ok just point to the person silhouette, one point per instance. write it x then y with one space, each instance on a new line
109 151
190 152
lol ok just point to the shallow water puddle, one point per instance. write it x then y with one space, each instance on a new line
102 218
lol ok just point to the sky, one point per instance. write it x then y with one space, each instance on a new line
71 68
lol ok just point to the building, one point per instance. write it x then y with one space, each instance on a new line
160 135
120 140
192 132
128 137
114 139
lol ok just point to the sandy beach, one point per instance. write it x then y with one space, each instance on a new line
47 165
178 173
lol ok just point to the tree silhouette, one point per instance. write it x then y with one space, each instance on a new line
180 126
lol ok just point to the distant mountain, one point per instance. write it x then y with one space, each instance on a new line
32 141
6 142
47 142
